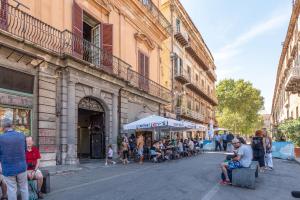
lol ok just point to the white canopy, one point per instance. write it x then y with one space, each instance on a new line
155 122
220 129
194 126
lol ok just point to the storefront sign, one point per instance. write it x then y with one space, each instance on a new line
15 100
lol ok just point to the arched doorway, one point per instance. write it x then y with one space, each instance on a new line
91 129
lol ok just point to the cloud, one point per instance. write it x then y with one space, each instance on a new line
233 48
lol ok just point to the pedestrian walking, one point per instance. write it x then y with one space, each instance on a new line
258 146
229 138
132 145
268 155
125 151
224 139
13 161
110 155
218 140
140 146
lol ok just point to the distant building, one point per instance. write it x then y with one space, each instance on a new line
267 121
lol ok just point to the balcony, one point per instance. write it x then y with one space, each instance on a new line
294 49
64 43
212 74
201 91
158 16
190 114
182 38
293 80
182 75
197 55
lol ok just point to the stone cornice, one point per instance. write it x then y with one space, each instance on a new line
142 18
146 40
292 24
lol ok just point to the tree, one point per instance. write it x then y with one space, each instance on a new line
291 129
239 106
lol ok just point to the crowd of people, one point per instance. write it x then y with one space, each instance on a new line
138 149
20 162
259 149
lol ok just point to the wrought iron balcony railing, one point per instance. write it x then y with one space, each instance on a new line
190 113
182 75
293 80
156 13
26 27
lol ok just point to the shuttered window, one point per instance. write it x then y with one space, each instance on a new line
3 14
107 45
143 70
77 29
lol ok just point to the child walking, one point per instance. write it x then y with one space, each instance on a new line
109 156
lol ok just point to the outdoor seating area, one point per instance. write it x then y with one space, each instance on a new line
167 149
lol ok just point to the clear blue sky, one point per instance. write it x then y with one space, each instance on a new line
244 37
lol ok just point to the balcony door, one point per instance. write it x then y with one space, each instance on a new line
178 66
92 40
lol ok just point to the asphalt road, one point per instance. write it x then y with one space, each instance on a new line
195 178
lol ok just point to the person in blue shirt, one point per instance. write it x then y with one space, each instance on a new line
224 139
13 160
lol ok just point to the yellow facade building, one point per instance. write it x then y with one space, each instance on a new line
193 69
74 71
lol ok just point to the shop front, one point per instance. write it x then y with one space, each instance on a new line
16 100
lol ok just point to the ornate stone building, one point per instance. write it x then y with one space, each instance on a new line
73 72
193 69
286 99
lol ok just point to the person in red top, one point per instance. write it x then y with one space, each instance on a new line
33 157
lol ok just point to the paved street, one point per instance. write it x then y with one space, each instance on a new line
185 179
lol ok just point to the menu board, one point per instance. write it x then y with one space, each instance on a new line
21 119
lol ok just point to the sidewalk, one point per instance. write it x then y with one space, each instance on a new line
84 164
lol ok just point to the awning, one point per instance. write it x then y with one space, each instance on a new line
194 127
155 122
220 129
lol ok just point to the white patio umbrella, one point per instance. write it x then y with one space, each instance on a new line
155 122
194 126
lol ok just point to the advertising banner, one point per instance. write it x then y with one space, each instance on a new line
283 150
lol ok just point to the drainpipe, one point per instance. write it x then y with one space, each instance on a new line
172 58
119 110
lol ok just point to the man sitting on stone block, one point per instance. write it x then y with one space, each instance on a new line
243 158
33 161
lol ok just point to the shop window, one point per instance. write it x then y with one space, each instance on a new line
21 119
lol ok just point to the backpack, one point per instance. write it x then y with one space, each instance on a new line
257 143
32 188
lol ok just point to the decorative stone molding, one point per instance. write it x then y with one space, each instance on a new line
144 39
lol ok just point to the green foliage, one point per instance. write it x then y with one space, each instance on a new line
291 128
239 104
